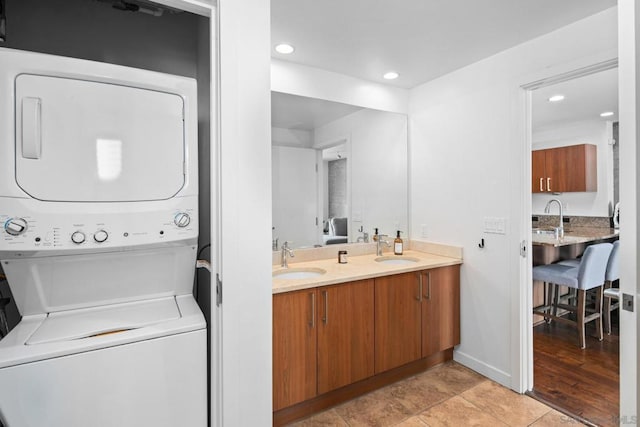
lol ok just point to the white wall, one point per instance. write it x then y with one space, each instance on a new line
596 132
301 80
293 191
469 160
291 137
245 211
378 168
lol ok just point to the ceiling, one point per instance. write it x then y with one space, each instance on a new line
419 39
585 98
302 113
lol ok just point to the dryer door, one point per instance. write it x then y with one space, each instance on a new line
86 141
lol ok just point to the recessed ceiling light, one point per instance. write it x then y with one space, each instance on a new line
285 48
606 114
556 98
391 75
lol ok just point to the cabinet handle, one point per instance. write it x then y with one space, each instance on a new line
325 318
419 297
548 184
428 296
312 323
541 187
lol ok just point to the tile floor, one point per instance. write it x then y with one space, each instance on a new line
446 395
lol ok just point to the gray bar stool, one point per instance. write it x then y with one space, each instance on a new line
611 293
589 274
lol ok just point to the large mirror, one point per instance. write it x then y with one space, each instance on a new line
338 172
583 110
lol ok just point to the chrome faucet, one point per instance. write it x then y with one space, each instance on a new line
380 242
364 238
286 251
560 229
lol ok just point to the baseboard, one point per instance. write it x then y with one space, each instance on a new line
481 367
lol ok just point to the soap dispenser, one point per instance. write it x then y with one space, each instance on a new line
375 235
397 244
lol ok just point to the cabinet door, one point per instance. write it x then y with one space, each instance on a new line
345 334
397 320
294 347
572 168
581 167
538 174
558 169
440 309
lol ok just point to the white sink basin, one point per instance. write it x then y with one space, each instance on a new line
298 273
395 259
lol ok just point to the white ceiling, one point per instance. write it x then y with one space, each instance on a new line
301 113
585 99
420 39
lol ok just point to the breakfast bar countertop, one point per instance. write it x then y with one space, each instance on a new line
574 235
357 268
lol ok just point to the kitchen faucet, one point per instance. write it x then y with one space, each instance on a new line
560 229
379 243
286 251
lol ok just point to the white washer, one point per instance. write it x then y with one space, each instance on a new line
98 240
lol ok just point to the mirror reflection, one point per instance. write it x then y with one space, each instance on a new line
338 172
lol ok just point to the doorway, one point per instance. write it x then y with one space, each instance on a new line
575 109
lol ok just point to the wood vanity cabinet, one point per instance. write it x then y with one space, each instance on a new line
294 347
440 309
398 316
322 340
345 334
417 315
564 169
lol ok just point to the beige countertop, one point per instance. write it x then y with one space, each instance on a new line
574 236
357 268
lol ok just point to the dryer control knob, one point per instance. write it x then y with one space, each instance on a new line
100 236
15 226
182 219
78 237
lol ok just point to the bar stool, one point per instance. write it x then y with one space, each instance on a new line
589 274
611 293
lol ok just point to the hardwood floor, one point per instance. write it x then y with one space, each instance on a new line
584 383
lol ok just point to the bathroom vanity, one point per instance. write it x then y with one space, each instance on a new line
341 330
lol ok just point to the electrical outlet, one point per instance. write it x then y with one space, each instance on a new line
423 230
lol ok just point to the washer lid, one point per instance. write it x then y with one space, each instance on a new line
91 322
85 141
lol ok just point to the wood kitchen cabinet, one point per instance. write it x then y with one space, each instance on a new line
440 309
345 334
294 347
417 315
322 340
564 169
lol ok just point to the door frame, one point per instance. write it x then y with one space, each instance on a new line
526 283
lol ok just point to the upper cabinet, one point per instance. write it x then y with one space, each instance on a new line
564 169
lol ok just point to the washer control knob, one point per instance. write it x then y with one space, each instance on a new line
78 237
15 226
100 236
182 219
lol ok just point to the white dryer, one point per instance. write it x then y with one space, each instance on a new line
98 240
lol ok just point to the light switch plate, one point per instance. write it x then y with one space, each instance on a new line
495 225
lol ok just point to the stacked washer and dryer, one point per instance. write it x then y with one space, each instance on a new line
98 209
